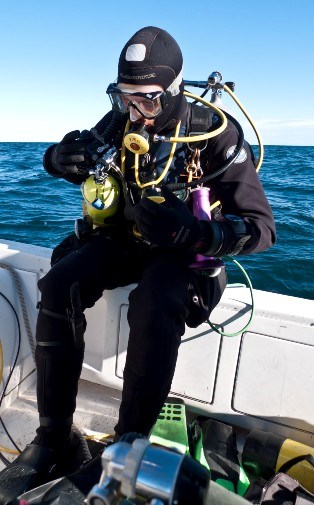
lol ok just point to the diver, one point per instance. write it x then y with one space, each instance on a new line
150 239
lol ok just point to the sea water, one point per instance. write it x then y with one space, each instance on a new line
39 209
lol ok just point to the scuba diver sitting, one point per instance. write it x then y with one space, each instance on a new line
149 236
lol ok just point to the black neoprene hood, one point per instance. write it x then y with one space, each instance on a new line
151 56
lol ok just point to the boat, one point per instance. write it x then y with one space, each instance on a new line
261 378
250 369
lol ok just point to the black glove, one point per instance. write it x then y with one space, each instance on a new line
68 157
168 224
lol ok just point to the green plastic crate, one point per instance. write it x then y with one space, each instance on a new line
170 429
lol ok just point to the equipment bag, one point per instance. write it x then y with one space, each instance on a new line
284 490
281 489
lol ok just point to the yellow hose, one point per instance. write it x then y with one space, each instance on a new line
165 170
208 135
204 136
195 138
247 115
175 139
10 451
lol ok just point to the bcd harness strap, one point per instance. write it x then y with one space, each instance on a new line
200 121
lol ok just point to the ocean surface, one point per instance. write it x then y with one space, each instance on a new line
39 209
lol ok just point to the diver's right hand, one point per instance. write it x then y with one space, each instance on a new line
68 157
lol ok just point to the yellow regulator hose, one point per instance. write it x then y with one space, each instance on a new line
247 115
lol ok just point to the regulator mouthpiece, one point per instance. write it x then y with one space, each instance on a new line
137 140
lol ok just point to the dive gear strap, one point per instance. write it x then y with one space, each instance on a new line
200 120
74 316
53 422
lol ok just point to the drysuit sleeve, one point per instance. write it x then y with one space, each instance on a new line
240 190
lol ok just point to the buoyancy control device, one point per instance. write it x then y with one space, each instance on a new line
106 185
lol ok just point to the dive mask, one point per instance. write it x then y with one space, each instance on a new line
149 105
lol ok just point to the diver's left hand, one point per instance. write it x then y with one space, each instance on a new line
168 224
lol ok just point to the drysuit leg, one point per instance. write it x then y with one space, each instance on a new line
158 307
59 358
73 284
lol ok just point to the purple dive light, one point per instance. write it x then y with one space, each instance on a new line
201 210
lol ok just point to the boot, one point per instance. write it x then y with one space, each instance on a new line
39 464
70 489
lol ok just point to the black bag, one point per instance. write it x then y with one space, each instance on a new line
284 490
281 489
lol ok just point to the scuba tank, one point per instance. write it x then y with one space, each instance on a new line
265 453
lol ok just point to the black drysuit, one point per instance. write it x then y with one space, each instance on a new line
160 305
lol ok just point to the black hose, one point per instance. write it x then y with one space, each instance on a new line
113 127
201 96
3 458
107 138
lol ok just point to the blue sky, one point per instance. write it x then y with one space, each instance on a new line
57 58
